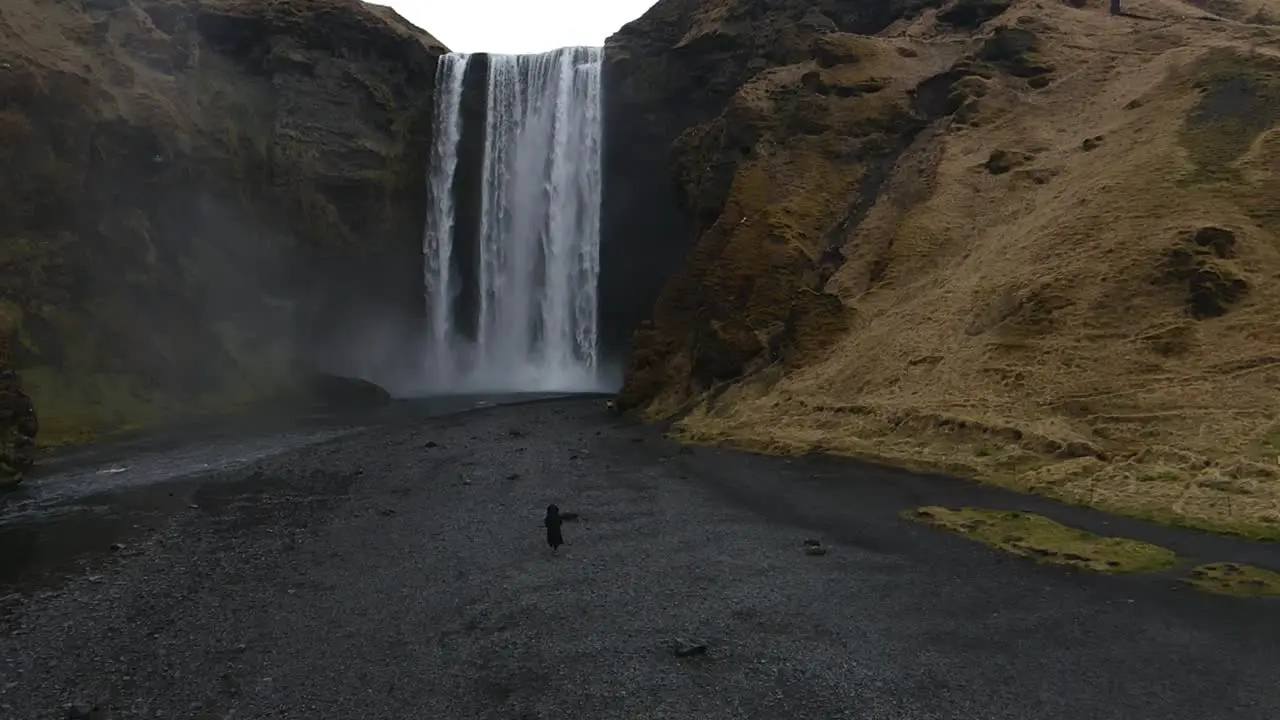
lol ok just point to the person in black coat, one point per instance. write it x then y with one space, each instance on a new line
553 522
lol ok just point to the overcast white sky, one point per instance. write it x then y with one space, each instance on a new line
519 26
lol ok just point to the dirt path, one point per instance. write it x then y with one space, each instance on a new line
401 572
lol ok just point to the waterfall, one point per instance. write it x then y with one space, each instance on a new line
536 325
437 245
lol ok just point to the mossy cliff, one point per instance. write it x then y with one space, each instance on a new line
203 199
1032 243
789 117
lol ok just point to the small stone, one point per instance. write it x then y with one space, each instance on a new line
815 550
684 649
430 444
812 543
513 476
117 547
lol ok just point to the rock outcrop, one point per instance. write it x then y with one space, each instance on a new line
200 197
675 69
747 136
18 429
1029 242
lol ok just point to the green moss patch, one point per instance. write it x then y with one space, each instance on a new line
1227 578
79 409
76 409
1041 539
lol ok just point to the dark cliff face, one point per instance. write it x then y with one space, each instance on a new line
703 97
206 199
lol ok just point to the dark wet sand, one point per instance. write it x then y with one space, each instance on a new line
400 571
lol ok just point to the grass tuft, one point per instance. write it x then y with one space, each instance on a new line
1226 578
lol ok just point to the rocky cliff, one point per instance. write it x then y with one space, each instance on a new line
202 199
1025 241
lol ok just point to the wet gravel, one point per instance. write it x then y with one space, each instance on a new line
401 572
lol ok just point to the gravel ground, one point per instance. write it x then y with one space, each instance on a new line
401 572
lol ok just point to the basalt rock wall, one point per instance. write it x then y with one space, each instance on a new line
206 200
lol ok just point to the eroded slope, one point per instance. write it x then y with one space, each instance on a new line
1066 283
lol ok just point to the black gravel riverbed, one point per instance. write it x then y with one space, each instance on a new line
400 571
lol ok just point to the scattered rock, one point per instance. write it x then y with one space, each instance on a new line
1017 51
814 19
834 50
1202 264
1091 143
117 547
336 392
813 546
513 476
685 648
431 444
1039 175
515 433
970 14
1002 161
1219 241
85 711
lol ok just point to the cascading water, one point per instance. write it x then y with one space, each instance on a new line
539 231
437 247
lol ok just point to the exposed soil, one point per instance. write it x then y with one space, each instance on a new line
402 571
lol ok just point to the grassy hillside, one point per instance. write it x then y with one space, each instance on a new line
1068 282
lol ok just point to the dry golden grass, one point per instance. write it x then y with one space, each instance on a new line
1043 540
1058 328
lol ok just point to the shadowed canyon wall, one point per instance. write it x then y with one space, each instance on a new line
206 200
679 129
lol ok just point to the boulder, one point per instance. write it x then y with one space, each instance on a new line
345 394
18 429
